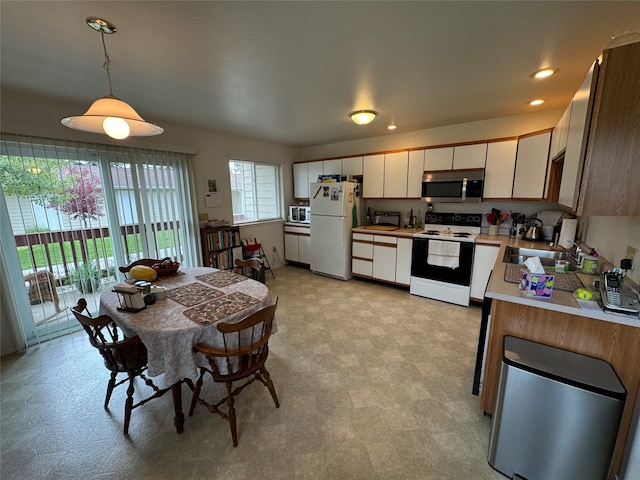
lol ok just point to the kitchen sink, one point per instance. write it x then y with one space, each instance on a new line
547 257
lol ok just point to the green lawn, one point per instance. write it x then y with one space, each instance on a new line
101 248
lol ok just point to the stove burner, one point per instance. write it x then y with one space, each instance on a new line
461 235
432 232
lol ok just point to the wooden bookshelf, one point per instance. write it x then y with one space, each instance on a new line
220 247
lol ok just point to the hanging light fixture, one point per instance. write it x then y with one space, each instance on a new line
109 114
363 117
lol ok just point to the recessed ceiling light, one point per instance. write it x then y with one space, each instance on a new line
392 127
545 72
537 101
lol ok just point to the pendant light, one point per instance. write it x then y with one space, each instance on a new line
363 117
109 114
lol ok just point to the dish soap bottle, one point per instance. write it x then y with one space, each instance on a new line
367 220
419 220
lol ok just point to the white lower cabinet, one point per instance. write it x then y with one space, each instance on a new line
484 258
362 255
403 261
384 257
297 244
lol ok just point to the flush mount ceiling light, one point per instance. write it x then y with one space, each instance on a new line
362 117
544 73
109 114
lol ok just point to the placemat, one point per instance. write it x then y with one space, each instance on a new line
221 279
192 294
567 282
218 309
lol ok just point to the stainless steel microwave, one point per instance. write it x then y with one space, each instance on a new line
453 186
299 214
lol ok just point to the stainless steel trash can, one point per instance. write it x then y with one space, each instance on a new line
557 414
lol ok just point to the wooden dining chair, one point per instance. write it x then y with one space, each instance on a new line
251 268
147 262
120 354
243 357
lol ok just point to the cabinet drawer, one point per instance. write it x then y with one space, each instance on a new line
362 250
363 237
385 240
297 230
362 267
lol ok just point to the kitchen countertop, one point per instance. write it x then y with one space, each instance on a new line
399 232
560 301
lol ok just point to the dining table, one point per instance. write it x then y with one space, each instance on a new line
197 299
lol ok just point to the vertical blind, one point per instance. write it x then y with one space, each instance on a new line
82 210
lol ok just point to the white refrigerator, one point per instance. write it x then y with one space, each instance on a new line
335 210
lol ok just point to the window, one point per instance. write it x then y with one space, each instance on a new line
255 191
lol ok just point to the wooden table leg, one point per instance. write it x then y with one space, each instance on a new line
178 419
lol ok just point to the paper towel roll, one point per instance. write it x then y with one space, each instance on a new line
568 232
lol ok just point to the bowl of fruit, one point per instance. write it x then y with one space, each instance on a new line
166 267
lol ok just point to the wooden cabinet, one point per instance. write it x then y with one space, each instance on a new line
469 156
297 243
373 176
396 167
531 166
303 175
362 255
577 134
220 247
384 257
403 261
611 177
352 166
414 175
438 159
484 257
500 169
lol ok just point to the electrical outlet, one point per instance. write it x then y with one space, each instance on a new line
631 253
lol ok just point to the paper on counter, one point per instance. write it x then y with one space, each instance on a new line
534 265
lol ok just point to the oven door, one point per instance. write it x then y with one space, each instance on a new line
458 276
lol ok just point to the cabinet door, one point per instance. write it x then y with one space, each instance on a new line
438 159
484 258
373 176
576 144
332 167
384 258
396 166
315 169
403 261
291 250
500 169
531 166
300 180
304 248
559 134
469 156
352 166
414 175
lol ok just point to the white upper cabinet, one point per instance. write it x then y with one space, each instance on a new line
469 156
300 180
576 144
414 177
373 176
352 166
396 166
559 134
330 167
315 169
438 159
531 166
500 169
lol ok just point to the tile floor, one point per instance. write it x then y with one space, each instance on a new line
374 383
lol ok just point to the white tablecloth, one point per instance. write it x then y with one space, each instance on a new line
169 335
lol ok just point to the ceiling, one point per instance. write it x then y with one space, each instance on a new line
290 72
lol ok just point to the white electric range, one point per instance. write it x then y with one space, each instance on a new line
442 257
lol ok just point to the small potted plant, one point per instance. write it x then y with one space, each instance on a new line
86 277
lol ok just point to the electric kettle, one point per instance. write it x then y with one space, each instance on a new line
534 232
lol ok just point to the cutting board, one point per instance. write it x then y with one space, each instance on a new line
385 228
